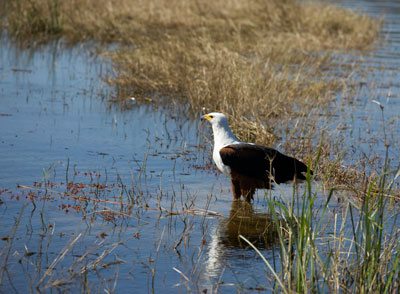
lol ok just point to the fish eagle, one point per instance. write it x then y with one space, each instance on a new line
250 166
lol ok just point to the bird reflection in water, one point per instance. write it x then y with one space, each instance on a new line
225 245
259 228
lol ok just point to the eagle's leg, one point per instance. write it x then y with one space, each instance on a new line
236 190
248 194
248 188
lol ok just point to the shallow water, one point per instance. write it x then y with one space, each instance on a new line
59 125
365 124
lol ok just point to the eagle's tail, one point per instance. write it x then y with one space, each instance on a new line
301 170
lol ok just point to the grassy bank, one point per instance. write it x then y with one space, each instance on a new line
263 63
352 248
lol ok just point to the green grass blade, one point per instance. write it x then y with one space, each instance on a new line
266 262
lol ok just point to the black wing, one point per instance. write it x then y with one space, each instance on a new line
259 162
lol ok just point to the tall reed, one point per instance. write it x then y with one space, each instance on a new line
352 248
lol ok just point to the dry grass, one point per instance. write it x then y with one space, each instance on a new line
260 62
236 24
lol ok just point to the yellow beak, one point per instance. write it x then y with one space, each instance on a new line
206 117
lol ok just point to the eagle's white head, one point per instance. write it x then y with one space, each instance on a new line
216 118
222 133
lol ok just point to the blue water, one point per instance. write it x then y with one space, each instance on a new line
380 81
59 124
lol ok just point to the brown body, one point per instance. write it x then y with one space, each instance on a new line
257 167
246 186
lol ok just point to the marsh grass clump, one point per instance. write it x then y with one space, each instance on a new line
237 24
325 247
261 63
27 19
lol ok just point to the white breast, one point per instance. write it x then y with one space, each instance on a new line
226 170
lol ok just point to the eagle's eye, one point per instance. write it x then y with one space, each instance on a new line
211 116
